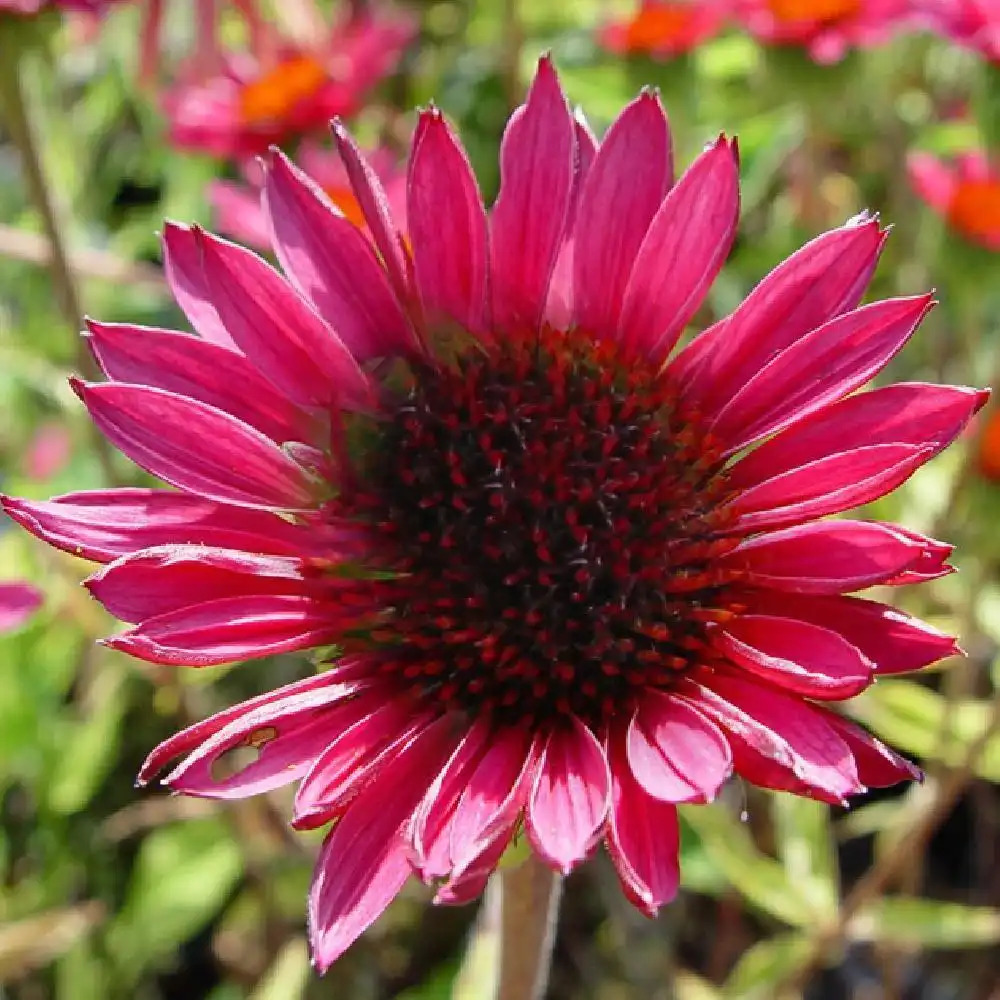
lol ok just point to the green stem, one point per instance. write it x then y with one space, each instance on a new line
529 906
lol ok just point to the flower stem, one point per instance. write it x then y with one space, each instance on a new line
529 905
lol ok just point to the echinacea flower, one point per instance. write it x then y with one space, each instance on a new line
18 602
665 28
573 576
966 193
827 29
973 24
256 100
237 206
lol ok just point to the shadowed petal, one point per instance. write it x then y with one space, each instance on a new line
528 220
196 447
687 243
569 801
628 180
676 753
447 226
643 838
878 766
365 859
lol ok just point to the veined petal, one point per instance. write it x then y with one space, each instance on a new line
826 557
236 628
528 221
800 657
913 413
643 837
166 578
569 801
189 366
827 486
825 278
675 752
878 765
279 332
447 226
819 368
470 882
630 176
894 641
196 447
365 859
328 259
102 525
686 245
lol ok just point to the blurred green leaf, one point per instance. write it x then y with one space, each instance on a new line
926 923
289 976
765 964
805 846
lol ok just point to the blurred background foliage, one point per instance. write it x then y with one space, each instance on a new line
109 892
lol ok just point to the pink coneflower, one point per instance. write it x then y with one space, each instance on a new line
573 577
18 602
256 100
827 29
665 28
974 24
238 211
966 193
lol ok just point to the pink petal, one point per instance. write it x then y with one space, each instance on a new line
447 224
169 577
528 221
328 259
235 628
352 757
827 486
806 659
430 829
819 368
365 860
327 687
930 564
825 557
279 332
687 242
496 792
676 754
469 884
196 447
623 189
933 180
182 261
289 734
823 279
878 765
18 602
643 838
188 366
374 204
104 524
894 641
569 801
778 740
915 414
236 213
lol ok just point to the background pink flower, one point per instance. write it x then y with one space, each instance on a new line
18 602
974 24
965 192
665 28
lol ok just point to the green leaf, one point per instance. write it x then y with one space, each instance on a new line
926 923
766 964
289 976
182 877
805 846
762 880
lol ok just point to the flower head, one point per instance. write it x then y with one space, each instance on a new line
966 193
286 90
666 28
974 24
574 576
828 29
237 206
